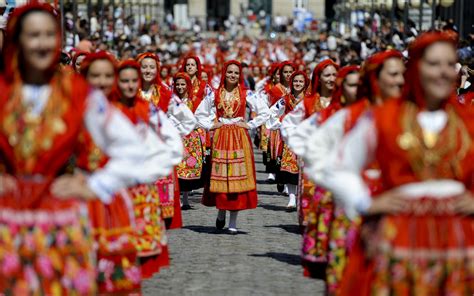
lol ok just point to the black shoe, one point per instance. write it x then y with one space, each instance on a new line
270 181
220 224
280 187
186 207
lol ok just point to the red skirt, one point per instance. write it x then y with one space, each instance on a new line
429 251
113 229
232 183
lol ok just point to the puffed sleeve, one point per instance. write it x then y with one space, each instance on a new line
206 111
131 159
260 108
291 121
319 142
181 116
276 112
342 174
298 138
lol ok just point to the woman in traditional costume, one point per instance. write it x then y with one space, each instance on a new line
113 224
154 91
190 170
288 173
45 241
150 239
275 143
232 184
417 232
263 91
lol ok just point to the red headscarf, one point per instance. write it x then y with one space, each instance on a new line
116 94
198 63
185 76
150 55
76 56
92 57
241 86
282 65
11 52
315 86
413 90
368 87
341 76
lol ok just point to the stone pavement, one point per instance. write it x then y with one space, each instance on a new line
263 259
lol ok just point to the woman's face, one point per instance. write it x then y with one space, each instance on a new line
232 75
128 83
164 72
287 72
349 87
204 77
328 78
256 71
78 62
191 67
174 70
101 75
298 83
391 78
180 85
149 70
39 41
438 72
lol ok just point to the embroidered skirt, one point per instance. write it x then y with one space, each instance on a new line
274 150
46 245
232 184
190 169
150 238
289 169
427 251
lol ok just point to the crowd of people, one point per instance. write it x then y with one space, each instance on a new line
99 151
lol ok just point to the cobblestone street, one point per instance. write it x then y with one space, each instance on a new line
263 259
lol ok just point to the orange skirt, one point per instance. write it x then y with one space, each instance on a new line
232 183
429 251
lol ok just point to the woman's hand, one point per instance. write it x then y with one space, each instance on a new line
72 186
216 125
464 203
8 184
389 202
242 124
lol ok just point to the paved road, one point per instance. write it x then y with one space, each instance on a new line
263 259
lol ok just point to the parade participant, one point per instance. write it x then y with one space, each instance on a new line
192 67
275 142
150 237
112 223
422 143
190 170
322 84
289 169
381 79
159 96
232 184
45 240
263 89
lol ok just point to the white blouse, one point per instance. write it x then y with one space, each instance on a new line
342 173
134 157
178 113
206 112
